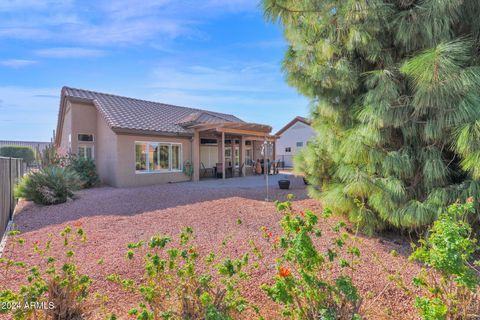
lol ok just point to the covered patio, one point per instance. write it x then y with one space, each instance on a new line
230 149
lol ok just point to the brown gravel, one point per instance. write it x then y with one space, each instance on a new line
114 217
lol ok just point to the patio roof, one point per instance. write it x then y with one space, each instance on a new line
240 128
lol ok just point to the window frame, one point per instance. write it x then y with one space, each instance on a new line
288 149
299 144
85 134
170 156
85 146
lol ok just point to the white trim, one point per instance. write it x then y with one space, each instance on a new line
147 158
85 145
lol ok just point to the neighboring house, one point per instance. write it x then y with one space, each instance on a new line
291 138
35 145
136 142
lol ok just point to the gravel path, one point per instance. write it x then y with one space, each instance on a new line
114 217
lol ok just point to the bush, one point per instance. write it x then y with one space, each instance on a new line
56 284
173 286
451 278
25 153
305 286
51 185
85 168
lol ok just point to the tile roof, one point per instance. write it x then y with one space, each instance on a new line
135 114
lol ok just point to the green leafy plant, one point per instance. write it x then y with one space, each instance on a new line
51 185
306 285
25 153
175 288
393 87
54 290
451 277
85 168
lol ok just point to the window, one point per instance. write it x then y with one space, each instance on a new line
208 141
288 149
85 151
158 157
85 137
248 142
299 144
237 157
248 157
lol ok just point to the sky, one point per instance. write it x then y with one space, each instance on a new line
219 55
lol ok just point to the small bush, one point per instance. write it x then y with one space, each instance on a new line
56 284
305 286
51 185
451 277
86 169
25 153
174 287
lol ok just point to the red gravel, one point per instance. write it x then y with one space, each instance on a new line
114 217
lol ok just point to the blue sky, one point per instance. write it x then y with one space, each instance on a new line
215 54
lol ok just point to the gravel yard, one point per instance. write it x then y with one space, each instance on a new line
114 217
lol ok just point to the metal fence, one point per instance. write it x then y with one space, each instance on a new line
11 170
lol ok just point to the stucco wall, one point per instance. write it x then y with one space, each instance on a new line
66 131
106 154
126 176
84 121
299 132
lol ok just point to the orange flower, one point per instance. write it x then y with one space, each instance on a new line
37 242
469 200
77 224
269 234
276 241
302 213
284 272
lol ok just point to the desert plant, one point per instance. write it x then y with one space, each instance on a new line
85 168
25 153
394 92
53 292
48 156
175 288
305 285
451 277
51 185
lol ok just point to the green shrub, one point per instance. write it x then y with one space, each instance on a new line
305 286
51 185
25 153
451 277
85 168
56 284
175 287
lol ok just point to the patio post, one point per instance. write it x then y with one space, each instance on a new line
223 156
196 156
242 156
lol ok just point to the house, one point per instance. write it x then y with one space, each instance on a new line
291 138
136 142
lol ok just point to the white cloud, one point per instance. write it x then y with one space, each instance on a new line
69 52
16 63
107 22
260 77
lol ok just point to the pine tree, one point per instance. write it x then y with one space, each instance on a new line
395 101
